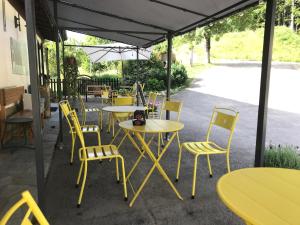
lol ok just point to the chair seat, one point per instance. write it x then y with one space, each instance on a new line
203 148
93 110
99 152
88 128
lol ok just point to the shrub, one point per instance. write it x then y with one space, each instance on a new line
282 157
71 75
154 84
153 74
179 75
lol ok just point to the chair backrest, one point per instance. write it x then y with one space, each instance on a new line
77 127
123 101
105 93
172 106
225 118
33 209
152 100
66 108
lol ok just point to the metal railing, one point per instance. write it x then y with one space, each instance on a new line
81 85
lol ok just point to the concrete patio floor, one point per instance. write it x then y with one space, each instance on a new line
17 166
103 198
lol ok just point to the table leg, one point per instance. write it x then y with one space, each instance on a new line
155 165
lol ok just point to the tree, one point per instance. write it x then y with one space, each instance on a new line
249 19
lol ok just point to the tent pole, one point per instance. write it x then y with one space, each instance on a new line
264 83
63 61
169 62
137 76
60 139
37 129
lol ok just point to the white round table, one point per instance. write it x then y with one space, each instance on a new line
123 109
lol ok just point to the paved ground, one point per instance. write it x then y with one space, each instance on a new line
103 202
17 166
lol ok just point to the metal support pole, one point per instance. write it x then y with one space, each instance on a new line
63 58
39 61
58 74
47 61
42 63
137 77
32 56
264 83
169 62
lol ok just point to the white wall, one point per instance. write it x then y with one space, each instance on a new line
7 78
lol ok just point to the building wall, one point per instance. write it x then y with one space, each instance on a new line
7 77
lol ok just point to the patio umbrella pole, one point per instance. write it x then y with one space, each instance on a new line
169 62
137 76
265 83
37 129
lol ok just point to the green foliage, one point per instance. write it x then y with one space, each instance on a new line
282 157
71 75
179 75
106 76
153 74
247 45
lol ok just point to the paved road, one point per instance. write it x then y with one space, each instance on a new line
240 81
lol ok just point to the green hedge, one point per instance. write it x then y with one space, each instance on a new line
153 74
282 157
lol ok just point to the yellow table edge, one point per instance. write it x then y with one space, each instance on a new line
240 213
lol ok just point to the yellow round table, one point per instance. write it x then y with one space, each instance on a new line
263 196
152 126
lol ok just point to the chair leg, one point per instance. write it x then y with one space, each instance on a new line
100 120
82 185
162 139
79 174
83 117
73 146
124 179
209 166
158 145
178 140
117 170
109 123
228 162
178 163
194 176
113 127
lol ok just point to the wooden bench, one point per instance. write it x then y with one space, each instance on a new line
96 90
12 110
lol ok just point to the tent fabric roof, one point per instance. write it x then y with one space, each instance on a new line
141 22
116 51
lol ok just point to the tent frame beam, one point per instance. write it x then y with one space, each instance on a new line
179 8
110 15
265 83
92 26
37 128
112 31
205 21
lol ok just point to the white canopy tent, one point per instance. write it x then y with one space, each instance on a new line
116 52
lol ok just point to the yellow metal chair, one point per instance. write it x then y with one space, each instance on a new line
66 109
151 104
33 209
119 101
85 110
90 153
171 106
223 118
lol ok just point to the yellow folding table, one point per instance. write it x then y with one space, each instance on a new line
262 196
152 126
